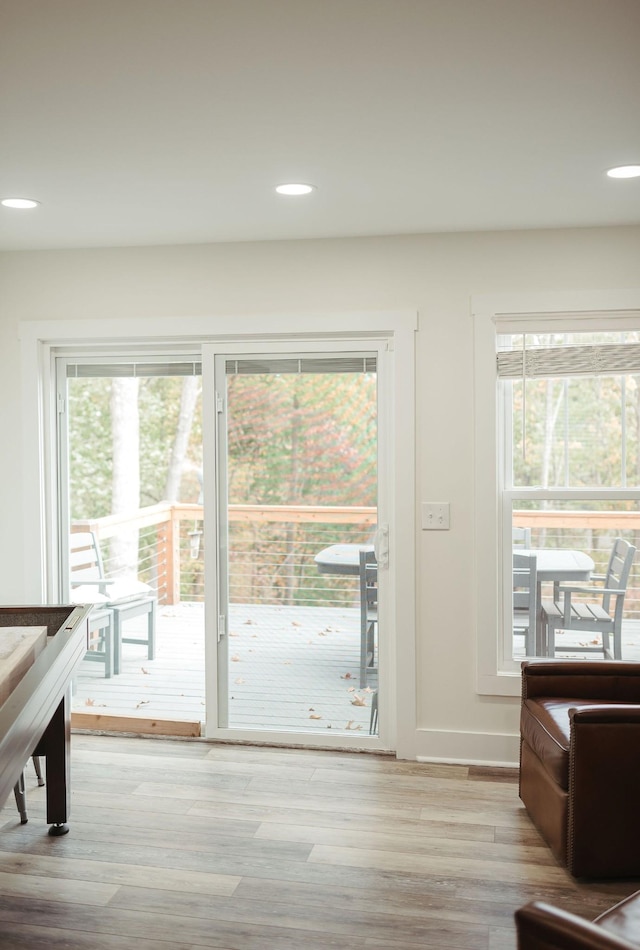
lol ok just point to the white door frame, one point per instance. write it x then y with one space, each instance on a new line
214 521
40 342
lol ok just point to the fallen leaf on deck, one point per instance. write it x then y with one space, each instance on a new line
296 623
232 634
347 676
358 701
89 702
315 716
144 671
239 681
143 702
351 689
249 620
350 725
322 634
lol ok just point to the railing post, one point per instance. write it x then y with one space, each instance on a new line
173 558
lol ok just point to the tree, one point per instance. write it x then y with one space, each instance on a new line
125 489
188 400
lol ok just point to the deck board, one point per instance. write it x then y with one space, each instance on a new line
287 666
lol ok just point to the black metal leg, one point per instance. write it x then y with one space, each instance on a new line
56 746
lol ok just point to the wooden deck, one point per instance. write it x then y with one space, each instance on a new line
291 669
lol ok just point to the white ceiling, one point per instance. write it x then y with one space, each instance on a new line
170 121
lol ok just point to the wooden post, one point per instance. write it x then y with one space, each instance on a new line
173 558
162 562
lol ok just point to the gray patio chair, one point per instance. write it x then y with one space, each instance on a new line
602 616
122 598
521 537
525 582
368 570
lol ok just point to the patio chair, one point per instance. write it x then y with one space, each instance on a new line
525 582
20 791
595 616
368 570
521 537
123 598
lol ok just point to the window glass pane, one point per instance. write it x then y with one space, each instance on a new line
578 430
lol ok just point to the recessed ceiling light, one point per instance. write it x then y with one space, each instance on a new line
294 188
22 203
624 171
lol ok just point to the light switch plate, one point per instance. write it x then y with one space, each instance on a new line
435 516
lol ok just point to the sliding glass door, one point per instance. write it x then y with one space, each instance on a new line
298 577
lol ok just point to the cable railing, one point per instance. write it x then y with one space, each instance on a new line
272 548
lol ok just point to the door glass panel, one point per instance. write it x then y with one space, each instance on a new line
300 499
133 437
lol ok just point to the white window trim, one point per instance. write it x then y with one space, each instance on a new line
512 313
40 343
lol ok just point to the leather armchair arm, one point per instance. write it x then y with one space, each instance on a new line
543 927
608 714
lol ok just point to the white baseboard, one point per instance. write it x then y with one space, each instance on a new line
467 748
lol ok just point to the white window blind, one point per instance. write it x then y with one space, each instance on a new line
604 359
92 370
331 364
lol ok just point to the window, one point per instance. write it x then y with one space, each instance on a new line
570 411
557 457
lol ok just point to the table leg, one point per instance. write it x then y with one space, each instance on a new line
55 745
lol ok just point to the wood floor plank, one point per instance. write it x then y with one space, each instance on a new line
431 864
111 872
35 886
405 844
345 919
330 818
183 845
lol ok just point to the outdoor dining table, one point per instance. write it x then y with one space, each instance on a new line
341 558
556 565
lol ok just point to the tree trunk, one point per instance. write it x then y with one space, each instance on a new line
188 399
125 492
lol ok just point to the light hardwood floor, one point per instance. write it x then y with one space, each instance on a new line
178 845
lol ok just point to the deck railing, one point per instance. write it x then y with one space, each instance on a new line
271 550
272 547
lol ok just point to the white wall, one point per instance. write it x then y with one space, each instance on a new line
434 274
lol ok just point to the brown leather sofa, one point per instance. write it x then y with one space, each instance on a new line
542 927
580 762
